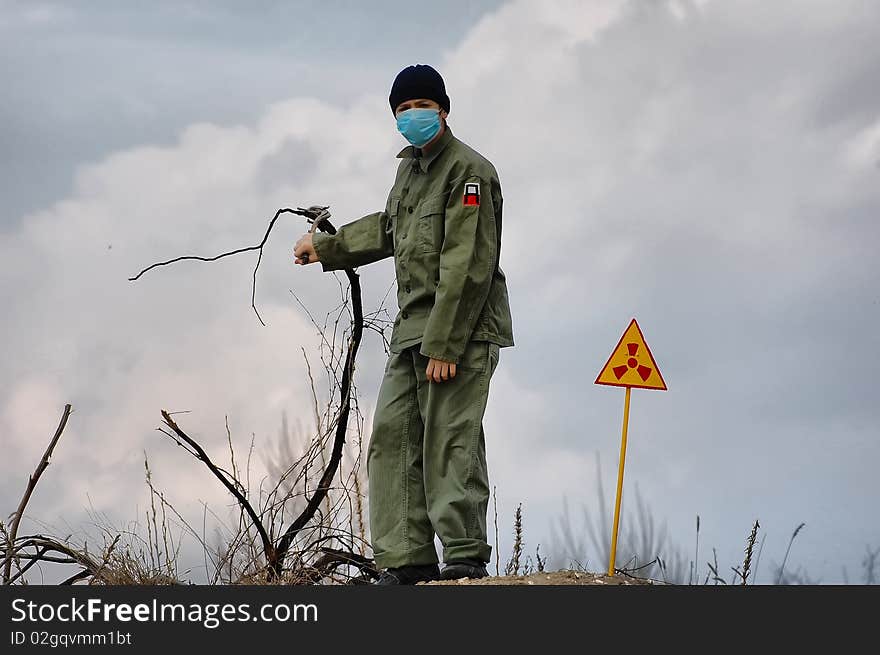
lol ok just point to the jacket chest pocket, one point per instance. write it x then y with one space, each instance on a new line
429 228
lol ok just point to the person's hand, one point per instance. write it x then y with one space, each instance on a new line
438 370
304 247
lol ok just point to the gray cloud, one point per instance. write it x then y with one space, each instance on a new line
81 81
294 157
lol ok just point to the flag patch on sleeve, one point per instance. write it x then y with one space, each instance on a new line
471 194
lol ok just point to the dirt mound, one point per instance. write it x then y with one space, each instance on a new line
564 577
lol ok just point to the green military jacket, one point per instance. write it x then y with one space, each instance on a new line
442 225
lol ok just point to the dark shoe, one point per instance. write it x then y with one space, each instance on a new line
409 574
464 568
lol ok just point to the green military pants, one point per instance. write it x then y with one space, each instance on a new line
426 461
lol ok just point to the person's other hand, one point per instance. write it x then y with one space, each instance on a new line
304 247
438 370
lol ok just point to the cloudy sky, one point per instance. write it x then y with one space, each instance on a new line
710 168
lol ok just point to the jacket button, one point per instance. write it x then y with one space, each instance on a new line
408 289
409 209
403 236
404 314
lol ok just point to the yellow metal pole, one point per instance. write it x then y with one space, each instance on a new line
619 483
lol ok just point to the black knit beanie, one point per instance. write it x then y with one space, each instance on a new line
419 81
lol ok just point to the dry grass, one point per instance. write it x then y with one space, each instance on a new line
513 564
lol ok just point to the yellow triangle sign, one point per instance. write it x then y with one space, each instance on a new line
631 363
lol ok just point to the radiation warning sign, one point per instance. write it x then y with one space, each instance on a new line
631 363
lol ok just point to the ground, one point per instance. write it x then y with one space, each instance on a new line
563 577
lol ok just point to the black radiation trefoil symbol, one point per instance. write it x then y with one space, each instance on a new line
643 371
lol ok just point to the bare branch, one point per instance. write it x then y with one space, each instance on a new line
81 557
38 557
32 483
341 426
275 556
200 454
317 215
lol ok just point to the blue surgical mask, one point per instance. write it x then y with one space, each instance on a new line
419 125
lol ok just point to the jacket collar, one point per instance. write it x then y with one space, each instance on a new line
423 161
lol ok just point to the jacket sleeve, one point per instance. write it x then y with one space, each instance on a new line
467 261
366 240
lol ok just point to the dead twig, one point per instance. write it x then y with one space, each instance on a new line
38 557
316 214
45 544
275 555
228 481
32 483
334 558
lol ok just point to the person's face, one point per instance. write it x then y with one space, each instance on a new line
419 103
